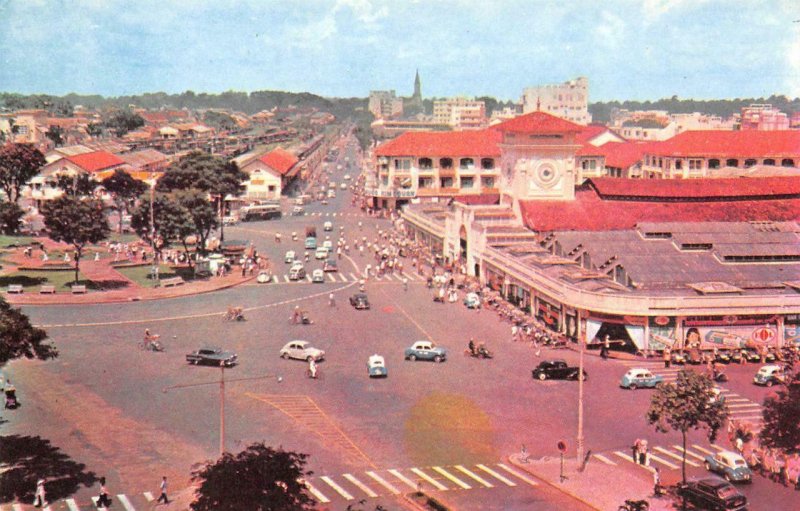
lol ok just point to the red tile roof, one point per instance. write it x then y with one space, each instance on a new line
689 189
280 160
538 122
589 212
589 132
483 199
730 144
95 161
443 143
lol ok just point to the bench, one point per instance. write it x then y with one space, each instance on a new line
47 289
15 288
174 281
79 290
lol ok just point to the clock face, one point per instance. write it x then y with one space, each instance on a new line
545 175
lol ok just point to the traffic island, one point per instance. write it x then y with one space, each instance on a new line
599 486
421 501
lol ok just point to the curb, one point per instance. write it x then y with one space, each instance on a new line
553 485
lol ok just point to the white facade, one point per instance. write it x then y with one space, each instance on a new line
385 104
568 100
460 113
264 182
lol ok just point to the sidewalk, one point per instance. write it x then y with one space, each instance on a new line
599 486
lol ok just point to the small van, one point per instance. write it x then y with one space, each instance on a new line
297 272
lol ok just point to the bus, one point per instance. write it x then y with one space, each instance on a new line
262 212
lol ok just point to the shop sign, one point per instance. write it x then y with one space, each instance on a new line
634 320
763 335
661 320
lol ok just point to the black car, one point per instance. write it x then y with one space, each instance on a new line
212 355
359 301
556 370
713 493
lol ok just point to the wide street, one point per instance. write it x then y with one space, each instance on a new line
134 416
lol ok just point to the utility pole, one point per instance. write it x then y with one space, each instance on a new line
579 443
154 269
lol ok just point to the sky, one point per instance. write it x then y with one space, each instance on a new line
629 49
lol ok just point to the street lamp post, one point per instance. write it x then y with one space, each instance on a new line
579 442
154 269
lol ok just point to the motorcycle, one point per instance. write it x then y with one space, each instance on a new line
480 352
305 319
635 505
233 314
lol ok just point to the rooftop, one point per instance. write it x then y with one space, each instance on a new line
730 144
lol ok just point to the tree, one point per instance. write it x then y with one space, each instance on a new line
123 121
18 164
687 404
201 211
173 223
78 221
77 185
781 427
123 189
259 477
10 217
56 134
18 338
94 129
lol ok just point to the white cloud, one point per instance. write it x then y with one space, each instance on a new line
654 9
364 11
610 30
792 79
314 35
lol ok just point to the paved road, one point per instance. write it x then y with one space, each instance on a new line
129 414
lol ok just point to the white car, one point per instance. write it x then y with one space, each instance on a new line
229 220
321 253
347 177
331 194
301 350
297 271
289 257
343 186
328 244
327 226
318 276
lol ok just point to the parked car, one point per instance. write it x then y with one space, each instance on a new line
297 271
712 493
472 301
722 357
289 257
229 220
327 226
331 194
376 367
330 265
640 378
730 465
301 350
678 358
318 276
555 370
425 350
359 301
769 375
751 355
321 253
212 355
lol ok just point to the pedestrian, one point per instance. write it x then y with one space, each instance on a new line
514 332
635 450
604 348
103 500
656 482
332 300
667 354
39 496
163 486
643 458
405 284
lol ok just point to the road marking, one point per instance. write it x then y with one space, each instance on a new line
497 476
410 318
342 277
341 491
452 478
690 453
72 505
149 496
718 448
517 474
749 405
286 278
604 459
624 456
366 489
275 279
331 277
353 276
308 278
403 478
475 476
17 507
123 499
434 482
383 482
663 461
702 450
675 456
736 400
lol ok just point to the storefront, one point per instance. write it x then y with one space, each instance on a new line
731 332
549 313
625 333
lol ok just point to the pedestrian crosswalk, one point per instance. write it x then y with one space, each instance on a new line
128 502
338 277
664 456
333 215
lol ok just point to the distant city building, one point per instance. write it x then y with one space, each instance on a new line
460 113
385 104
568 100
763 117
386 128
657 125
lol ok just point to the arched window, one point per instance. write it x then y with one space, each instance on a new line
713 163
487 163
787 162
466 163
425 163
446 163
749 163
732 162
769 161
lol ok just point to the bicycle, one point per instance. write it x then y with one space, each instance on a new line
151 345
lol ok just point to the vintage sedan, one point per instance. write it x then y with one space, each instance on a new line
213 356
556 370
359 301
638 378
318 276
472 301
425 350
769 375
301 350
330 265
712 493
327 226
730 465
289 257
376 367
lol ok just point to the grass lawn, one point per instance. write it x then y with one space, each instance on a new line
141 274
116 237
31 280
20 240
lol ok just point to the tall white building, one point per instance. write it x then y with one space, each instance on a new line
384 104
460 113
568 100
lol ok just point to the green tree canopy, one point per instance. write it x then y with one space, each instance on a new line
122 121
688 404
259 477
124 190
173 223
78 221
203 215
18 338
781 427
10 217
80 184
18 164
56 134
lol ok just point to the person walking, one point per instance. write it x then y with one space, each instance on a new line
39 496
405 284
667 354
656 482
604 348
332 300
163 487
103 500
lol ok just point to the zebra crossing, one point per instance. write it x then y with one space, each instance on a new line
332 215
339 277
740 408
347 487
669 456
388 482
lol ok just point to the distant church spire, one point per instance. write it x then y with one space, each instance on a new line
417 88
